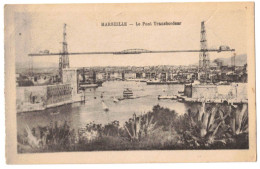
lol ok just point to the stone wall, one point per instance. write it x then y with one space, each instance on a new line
31 98
58 93
204 91
235 90
34 98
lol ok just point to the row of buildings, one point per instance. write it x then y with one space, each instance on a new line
215 74
163 73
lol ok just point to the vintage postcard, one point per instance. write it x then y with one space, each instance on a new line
130 83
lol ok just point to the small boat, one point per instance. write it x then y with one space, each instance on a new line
223 83
105 108
54 113
85 86
130 80
180 99
41 81
167 97
181 92
99 83
115 100
121 98
128 94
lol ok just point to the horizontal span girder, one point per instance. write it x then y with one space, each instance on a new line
130 52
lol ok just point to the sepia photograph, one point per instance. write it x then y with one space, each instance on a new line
166 77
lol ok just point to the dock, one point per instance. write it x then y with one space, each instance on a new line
219 101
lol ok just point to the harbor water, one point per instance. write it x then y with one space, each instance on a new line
78 114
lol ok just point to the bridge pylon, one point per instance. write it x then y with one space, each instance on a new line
64 57
204 61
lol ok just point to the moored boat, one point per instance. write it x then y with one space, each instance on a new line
181 92
115 100
105 107
161 82
127 93
167 97
84 86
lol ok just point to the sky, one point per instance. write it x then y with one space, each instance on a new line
40 27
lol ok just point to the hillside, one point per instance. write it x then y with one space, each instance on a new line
240 60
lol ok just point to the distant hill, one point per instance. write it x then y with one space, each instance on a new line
240 60
23 67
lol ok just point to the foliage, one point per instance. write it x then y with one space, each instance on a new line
213 127
216 126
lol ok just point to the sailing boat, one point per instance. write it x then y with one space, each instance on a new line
115 100
105 108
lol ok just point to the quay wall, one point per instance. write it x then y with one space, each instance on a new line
233 91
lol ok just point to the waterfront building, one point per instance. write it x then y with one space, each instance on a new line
237 91
32 98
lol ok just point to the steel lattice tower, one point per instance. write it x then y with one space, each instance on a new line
64 58
204 55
